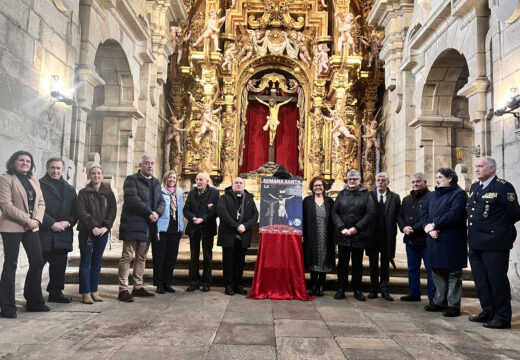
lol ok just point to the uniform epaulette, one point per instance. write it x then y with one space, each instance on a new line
502 181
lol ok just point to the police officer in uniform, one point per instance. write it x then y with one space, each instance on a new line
492 212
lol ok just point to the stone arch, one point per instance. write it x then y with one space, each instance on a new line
444 132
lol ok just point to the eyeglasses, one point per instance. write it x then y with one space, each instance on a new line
353 179
317 186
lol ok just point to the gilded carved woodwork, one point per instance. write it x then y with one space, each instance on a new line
281 45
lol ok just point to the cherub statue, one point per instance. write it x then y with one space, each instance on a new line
322 57
375 47
176 128
181 39
229 57
213 29
207 123
339 126
298 40
251 85
256 37
371 138
344 29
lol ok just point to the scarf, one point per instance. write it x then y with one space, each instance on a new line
173 201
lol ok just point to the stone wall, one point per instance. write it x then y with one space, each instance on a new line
447 64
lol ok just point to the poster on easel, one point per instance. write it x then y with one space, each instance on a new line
281 206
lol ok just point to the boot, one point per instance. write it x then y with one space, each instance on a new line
87 299
96 297
314 283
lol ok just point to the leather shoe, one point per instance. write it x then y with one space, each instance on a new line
497 324
193 287
386 295
372 295
205 288
481 318
59 298
125 296
358 295
160 290
340 294
451 312
38 308
229 291
141 292
410 298
8 315
169 289
432 307
240 290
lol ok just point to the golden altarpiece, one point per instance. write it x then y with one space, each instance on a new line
237 63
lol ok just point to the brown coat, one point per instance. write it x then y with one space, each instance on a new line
15 206
96 208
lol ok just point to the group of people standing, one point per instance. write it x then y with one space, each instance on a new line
437 228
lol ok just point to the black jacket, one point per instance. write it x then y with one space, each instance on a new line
353 208
227 208
135 222
310 233
409 215
497 231
392 205
446 208
58 207
96 208
197 206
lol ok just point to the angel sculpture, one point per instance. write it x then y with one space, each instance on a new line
229 57
344 29
176 128
322 57
375 47
251 39
207 123
298 40
180 40
213 29
339 126
371 139
251 85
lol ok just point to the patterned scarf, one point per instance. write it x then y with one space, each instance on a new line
173 202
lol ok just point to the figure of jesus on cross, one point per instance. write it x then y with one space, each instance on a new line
272 120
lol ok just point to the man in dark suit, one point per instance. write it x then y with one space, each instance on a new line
238 214
492 211
56 230
200 211
383 237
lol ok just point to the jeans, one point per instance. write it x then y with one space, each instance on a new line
90 263
32 290
414 256
449 287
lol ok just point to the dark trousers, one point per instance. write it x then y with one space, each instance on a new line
164 254
32 290
91 254
489 270
234 258
317 280
414 256
57 259
207 253
344 254
379 273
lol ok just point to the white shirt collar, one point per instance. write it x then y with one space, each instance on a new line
487 182
379 196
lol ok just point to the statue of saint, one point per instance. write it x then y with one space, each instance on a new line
272 120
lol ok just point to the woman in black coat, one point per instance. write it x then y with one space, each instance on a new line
318 231
353 215
444 220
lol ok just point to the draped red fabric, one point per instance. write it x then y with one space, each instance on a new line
279 269
256 140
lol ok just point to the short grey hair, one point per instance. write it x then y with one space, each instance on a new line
383 174
490 161
354 172
418 175
149 156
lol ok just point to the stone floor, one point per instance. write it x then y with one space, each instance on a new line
215 326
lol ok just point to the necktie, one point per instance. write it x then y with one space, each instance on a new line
381 202
479 190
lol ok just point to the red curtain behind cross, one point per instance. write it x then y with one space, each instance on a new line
256 140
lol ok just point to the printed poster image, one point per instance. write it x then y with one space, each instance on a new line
281 206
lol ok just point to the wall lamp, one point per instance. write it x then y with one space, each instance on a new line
58 95
509 105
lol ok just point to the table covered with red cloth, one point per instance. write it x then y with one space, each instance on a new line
279 269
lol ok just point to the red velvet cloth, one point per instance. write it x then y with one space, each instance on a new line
256 140
279 270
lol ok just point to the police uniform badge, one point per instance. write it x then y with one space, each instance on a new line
511 196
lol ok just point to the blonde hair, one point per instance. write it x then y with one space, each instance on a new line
167 175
